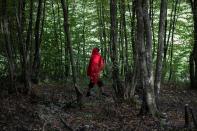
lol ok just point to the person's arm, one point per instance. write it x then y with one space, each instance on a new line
102 63
89 67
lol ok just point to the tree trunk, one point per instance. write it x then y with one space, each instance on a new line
8 46
84 39
56 40
113 35
104 33
159 63
130 86
167 37
193 56
175 17
126 63
25 53
69 44
27 49
145 57
61 43
151 16
36 63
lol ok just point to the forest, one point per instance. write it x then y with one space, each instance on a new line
98 65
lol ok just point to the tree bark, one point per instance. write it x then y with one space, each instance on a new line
193 56
145 57
159 62
175 17
113 36
8 46
36 63
69 44
125 35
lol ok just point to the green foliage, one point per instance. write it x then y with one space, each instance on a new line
85 33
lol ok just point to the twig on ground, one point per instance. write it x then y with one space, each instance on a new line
45 123
193 117
186 116
66 125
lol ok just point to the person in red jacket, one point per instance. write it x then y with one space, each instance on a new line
96 65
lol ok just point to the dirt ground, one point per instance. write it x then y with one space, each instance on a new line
50 110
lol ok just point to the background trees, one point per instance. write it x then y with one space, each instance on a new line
134 37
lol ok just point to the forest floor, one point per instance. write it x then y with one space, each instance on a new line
50 111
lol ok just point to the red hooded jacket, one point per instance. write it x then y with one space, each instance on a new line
96 65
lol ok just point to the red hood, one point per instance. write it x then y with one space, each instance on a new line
95 51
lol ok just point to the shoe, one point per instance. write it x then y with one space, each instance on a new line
88 94
105 94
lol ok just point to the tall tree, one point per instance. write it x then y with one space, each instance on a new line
193 56
159 63
144 49
8 46
69 44
130 86
24 44
175 17
36 62
123 10
113 40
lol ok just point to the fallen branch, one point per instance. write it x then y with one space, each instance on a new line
193 117
66 125
79 96
43 127
186 116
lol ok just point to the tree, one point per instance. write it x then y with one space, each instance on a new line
158 73
131 86
69 44
8 46
24 51
113 40
36 62
144 49
193 56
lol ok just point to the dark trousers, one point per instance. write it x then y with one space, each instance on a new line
99 83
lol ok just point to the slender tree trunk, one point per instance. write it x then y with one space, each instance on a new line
132 17
99 11
159 63
66 58
27 52
104 32
61 43
121 47
84 39
130 87
167 37
69 44
151 16
8 46
36 63
113 35
193 56
126 63
24 45
145 57
56 41
175 17
150 96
